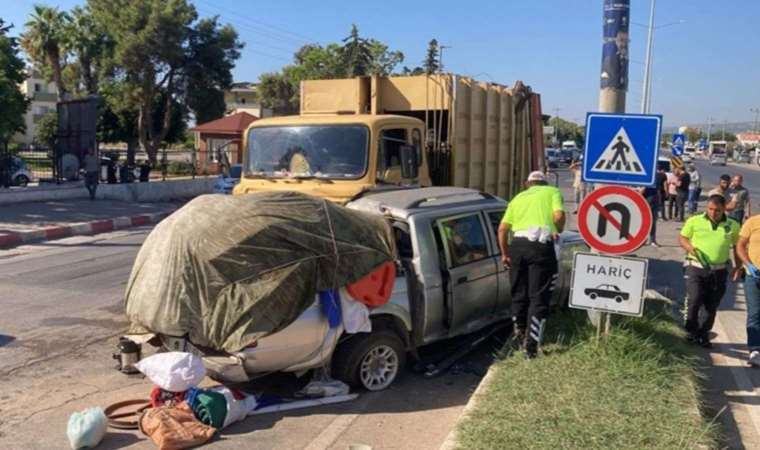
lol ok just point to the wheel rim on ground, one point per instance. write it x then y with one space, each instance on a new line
378 368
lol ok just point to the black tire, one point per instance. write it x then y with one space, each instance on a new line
592 296
619 299
348 357
21 180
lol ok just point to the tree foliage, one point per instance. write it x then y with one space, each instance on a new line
13 102
354 56
565 131
46 130
164 60
432 63
45 42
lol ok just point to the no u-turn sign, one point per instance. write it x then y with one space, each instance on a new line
614 220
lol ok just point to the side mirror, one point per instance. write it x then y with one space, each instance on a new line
409 163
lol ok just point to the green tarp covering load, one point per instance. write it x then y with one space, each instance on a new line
228 270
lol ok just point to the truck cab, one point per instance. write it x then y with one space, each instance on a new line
333 156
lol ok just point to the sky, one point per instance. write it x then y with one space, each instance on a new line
706 57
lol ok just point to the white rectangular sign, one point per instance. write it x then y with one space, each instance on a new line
608 283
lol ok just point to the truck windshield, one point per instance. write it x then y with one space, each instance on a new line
319 151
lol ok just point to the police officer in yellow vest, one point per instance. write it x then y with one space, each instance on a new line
707 239
535 217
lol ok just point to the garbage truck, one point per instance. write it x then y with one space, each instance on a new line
364 134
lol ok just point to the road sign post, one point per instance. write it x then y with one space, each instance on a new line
614 220
621 148
610 284
676 147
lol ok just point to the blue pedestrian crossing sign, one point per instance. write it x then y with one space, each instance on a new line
621 148
676 147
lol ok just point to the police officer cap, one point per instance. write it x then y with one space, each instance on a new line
536 176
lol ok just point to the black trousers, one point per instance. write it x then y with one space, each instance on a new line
681 198
704 289
533 275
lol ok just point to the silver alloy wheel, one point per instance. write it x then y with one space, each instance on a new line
378 368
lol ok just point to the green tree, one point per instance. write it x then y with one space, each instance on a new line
46 130
357 54
432 63
278 93
211 56
565 131
14 104
44 41
88 42
152 63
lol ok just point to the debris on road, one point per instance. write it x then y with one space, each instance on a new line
86 428
173 371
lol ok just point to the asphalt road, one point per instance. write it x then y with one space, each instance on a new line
61 315
711 175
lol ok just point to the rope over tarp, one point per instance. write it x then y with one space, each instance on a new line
228 270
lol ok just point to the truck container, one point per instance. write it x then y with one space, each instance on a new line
472 134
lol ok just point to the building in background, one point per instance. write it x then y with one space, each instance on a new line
225 134
748 139
43 96
242 98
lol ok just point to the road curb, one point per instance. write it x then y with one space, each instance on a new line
450 443
15 239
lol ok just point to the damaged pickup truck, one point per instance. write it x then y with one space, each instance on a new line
448 282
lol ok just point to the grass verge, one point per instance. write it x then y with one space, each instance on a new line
637 389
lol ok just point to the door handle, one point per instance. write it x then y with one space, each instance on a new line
461 280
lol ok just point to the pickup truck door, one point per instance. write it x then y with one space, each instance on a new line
504 299
470 271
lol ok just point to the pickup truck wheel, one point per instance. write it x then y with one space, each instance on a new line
370 360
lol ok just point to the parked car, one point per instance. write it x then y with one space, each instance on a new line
607 291
20 175
450 282
552 157
225 184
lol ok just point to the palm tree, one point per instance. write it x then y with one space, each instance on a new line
86 41
44 39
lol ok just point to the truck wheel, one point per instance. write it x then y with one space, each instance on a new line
592 296
370 360
619 299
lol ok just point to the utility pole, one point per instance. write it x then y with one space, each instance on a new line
614 76
556 125
440 57
709 129
645 95
756 111
725 122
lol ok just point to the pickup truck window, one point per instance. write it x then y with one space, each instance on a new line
464 240
320 151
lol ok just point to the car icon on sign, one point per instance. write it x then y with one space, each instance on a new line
606 291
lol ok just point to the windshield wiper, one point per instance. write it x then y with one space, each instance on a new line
311 177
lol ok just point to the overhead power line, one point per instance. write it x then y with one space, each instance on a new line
263 27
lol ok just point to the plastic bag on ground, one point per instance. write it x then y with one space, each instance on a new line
173 371
355 314
87 428
237 408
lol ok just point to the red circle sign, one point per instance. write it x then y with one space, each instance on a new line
614 220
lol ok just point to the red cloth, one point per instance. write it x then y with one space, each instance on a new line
375 289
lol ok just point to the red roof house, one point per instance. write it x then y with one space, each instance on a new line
225 133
